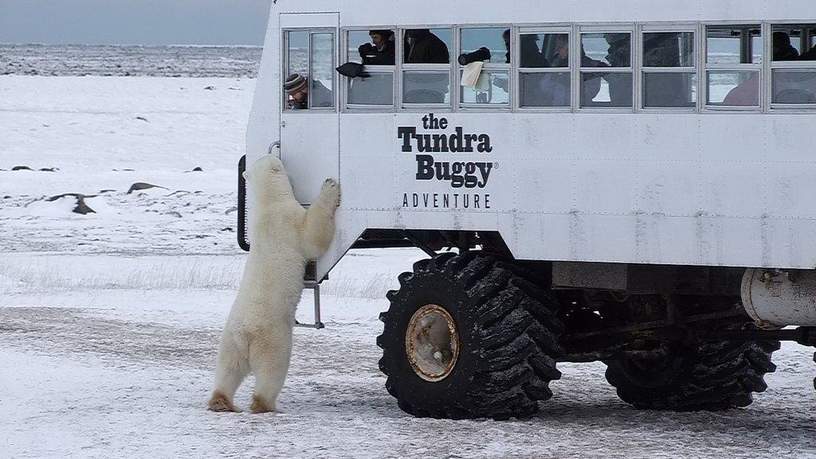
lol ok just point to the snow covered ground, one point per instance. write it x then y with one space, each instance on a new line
109 322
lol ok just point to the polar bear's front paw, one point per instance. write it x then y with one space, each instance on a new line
331 189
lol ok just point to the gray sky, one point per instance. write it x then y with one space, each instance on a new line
149 22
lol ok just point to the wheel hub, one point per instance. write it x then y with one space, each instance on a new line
432 343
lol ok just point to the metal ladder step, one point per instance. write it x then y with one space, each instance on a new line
318 324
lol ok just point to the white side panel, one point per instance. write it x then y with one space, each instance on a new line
681 189
264 120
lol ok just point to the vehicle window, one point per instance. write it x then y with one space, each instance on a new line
544 70
309 79
733 70
606 72
669 71
321 79
734 44
491 47
426 66
297 59
376 50
793 68
424 87
496 40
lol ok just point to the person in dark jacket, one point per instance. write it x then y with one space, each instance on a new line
381 50
423 47
531 56
783 50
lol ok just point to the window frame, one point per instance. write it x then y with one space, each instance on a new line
517 70
488 67
753 67
285 68
581 29
428 68
374 69
642 69
575 31
795 66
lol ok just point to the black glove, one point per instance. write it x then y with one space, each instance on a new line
366 49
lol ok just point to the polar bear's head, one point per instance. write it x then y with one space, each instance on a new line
267 179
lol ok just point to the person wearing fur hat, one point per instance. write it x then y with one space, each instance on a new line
297 87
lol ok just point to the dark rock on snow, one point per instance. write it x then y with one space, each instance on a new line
138 186
81 207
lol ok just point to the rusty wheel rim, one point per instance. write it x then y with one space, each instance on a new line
432 343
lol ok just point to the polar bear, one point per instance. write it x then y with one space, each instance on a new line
258 335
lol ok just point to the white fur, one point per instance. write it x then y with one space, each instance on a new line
258 335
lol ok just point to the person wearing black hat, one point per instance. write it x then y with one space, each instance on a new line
381 50
297 88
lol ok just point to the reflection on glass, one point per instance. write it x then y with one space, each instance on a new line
426 87
427 46
669 90
733 88
544 89
298 59
495 39
321 83
730 45
491 89
377 89
668 49
606 49
606 90
794 87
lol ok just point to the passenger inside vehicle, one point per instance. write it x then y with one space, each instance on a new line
381 50
423 47
531 56
297 89
783 50
809 56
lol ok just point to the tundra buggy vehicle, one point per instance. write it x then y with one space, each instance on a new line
628 182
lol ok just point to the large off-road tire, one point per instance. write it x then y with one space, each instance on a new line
467 336
708 376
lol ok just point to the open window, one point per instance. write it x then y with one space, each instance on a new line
669 78
733 65
793 66
489 48
544 77
606 69
376 49
309 63
426 69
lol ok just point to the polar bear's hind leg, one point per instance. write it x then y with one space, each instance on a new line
269 363
229 374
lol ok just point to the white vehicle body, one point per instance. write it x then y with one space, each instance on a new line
702 186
